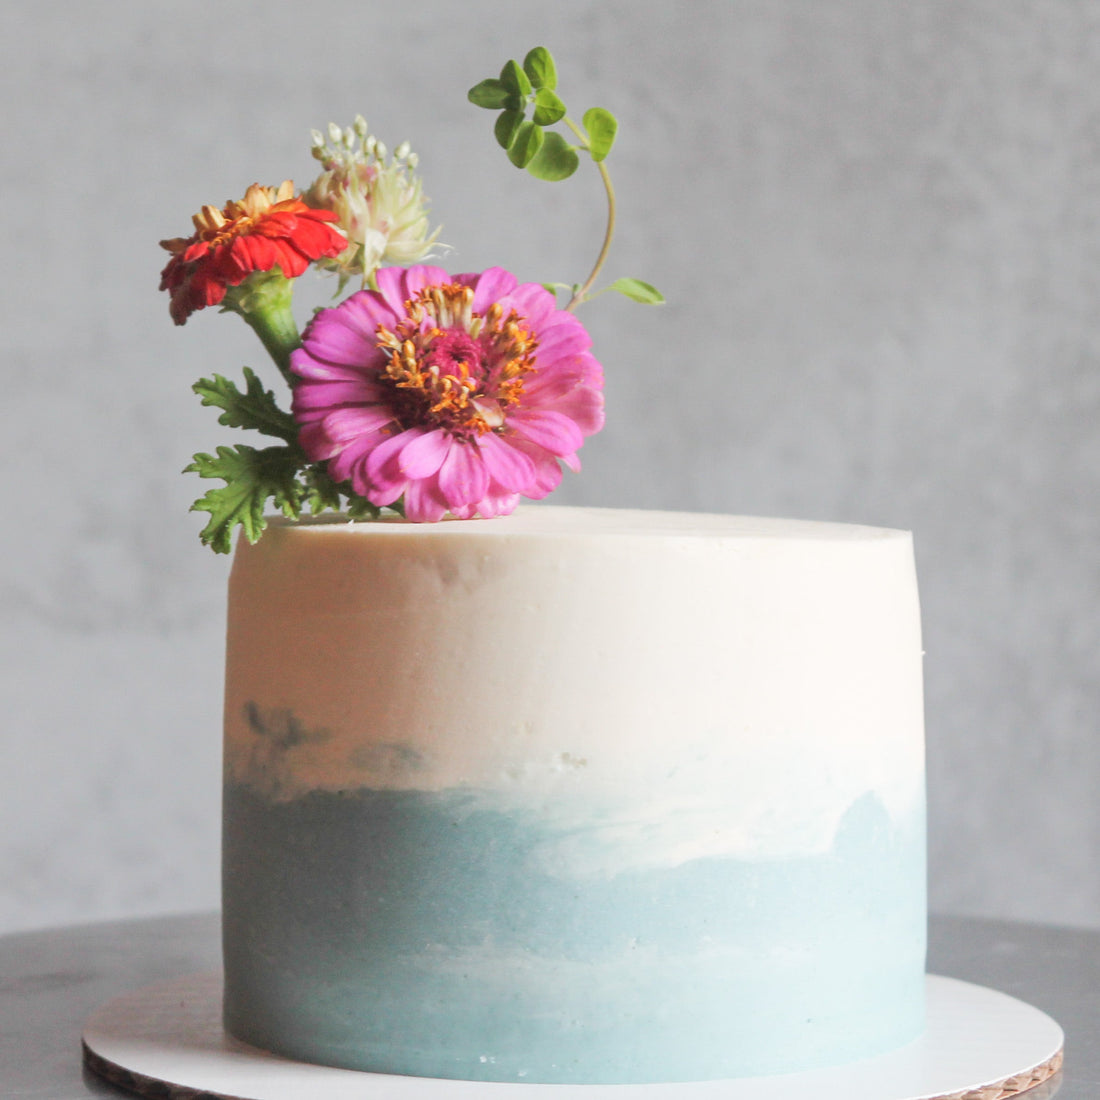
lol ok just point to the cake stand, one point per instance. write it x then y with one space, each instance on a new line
167 1041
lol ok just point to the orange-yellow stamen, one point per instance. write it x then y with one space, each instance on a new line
455 368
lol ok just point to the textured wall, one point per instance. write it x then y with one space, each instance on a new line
878 226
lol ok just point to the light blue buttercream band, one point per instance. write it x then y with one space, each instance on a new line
415 933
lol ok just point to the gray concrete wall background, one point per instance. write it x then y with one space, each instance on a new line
878 227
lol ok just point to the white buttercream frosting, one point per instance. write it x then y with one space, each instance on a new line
688 685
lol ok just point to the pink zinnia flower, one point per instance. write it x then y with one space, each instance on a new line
460 393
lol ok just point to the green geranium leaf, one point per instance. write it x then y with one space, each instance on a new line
490 93
540 68
360 508
548 108
555 160
252 477
508 122
515 79
637 291
255 408
601 127
323 494
526 143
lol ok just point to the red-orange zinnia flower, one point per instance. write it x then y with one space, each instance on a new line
266 229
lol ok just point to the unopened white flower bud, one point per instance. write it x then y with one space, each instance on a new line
402 151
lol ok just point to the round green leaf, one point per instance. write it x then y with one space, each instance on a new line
548 108
638 291
539 66
555 160
490 93
508 122
515 79
601 127
526 143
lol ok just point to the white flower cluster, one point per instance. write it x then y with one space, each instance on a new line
377 197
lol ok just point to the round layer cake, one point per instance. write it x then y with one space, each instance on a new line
575 795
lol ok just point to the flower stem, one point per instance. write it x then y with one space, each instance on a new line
264 301
582 293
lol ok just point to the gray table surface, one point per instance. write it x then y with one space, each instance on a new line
51 980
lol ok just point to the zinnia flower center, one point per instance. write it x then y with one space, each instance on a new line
453 368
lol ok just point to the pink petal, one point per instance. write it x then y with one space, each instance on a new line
532 302
383 468
562 341
547 470
583 406
391 288
491 285
307 416
316 443
591 370
366 310
417 278
305 366
543 386
381 496
423 455
344 425
350 463
314 395
549 429
463 479
510 469
424 502
498 504
559 376
346 335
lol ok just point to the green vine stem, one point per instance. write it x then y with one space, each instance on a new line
582 293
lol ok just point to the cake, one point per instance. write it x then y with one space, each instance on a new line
574 795
523 793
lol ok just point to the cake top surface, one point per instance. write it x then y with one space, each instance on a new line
550 521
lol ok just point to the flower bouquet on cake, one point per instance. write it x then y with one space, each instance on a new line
422 393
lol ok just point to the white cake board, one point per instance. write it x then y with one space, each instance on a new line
167 1041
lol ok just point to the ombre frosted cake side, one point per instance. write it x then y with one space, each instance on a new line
575 795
